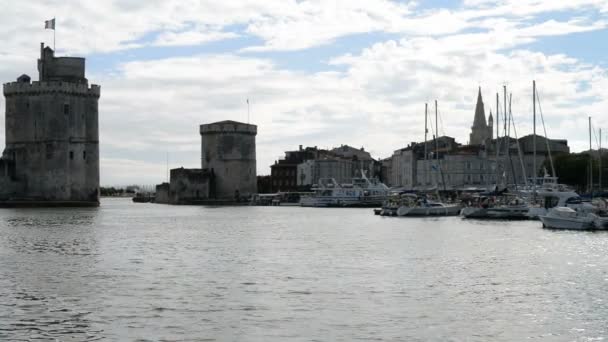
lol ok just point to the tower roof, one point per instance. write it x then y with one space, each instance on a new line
480 115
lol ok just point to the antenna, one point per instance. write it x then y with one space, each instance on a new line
248 111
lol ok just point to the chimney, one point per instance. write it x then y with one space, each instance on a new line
300 147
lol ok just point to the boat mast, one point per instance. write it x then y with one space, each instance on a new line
599 154
534 139
426 131
436 145
497 137
506 136
590 162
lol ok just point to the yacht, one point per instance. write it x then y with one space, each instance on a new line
361 192
556 198
568 218
506 207
414 205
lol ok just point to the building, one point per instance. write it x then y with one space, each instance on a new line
52 136
480 131
228 151
284 172
305 167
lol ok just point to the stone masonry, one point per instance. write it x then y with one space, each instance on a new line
51 155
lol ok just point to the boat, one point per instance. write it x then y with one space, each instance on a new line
568 218
504 207
361 192
558 197
413 205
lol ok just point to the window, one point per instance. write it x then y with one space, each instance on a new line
71 155
66 109
84 155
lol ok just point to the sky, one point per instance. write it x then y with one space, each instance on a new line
316 73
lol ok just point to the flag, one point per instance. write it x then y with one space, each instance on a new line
49 24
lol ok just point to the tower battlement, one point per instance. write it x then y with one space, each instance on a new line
228 126
37 87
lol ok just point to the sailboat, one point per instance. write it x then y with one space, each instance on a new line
421 205
498 204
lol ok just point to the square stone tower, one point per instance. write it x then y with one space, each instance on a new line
51 155
228 150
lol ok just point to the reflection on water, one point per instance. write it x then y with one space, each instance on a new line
148 272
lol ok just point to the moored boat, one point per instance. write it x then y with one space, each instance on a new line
568 218
362 192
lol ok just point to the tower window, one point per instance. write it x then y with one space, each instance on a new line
71 155
84 155
66 109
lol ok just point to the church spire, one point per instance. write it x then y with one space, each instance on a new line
480 131
480 115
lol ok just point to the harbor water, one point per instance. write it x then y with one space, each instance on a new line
149 272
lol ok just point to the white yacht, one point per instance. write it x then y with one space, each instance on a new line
413 205
568 218
550 198
362 192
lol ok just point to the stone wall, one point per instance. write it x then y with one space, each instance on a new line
189 185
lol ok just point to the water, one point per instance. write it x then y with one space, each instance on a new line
146 272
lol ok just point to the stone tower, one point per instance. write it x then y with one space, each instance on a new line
51 155
480 131
228 149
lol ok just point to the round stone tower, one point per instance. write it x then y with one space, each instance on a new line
228 149
52 135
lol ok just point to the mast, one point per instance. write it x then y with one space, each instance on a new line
437 149
510 120
534 139
590 162
426 131
497 137
436 144
506 136
599 153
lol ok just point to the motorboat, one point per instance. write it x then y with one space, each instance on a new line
505 207
361 192
413 205
568 218
555 198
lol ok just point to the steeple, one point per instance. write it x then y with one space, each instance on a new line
480 131
480 115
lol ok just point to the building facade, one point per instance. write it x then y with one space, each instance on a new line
52 136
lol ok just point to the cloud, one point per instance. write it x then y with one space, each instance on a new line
372 97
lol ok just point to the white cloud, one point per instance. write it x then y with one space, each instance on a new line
149 108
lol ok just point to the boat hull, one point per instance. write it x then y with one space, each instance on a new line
429 211
566 223
324 202
519 213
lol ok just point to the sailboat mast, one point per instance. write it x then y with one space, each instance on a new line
534 170
497 138
436 143
426 131
506 136
590 161
599 154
